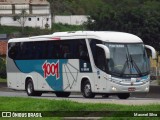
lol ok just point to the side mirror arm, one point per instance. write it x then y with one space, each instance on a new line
106 50
152 50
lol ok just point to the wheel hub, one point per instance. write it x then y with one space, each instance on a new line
87 89
30 88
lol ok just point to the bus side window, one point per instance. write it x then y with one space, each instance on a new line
66 52
100 59
56 51
44 50
98 54
29 49
20 51
83 51
37 50
50 50
12 50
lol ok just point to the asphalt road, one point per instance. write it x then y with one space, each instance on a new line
79 98
136 99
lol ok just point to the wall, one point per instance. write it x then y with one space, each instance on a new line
70 19
38 11
35 22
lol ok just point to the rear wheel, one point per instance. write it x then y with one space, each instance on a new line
123 95
86 90
30 89
62 94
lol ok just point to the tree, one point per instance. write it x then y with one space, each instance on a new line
21 18
56 6
2 68
136 17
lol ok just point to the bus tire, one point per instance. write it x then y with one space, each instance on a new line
30 89
86 90
123 95
62 94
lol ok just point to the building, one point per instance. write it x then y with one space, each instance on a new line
38 12
3 44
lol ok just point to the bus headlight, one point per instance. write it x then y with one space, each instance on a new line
147 89
114 89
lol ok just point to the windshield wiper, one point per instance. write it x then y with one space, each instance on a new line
132 62
135 65
125 65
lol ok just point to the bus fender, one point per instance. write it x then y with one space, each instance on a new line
84 78
30 77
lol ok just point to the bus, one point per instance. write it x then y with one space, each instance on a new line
89 62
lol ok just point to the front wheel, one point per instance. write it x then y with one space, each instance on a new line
123 95
30 89
87 91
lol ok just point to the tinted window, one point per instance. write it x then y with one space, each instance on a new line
94 49
66 49
98 54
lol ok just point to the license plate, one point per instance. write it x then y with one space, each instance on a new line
131 89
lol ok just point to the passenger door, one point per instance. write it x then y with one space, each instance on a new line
101 65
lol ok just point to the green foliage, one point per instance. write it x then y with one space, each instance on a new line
138 17
2 80
2 68
29 31
73 7
9 29
158 81
65 27
32 104
21 18
64 106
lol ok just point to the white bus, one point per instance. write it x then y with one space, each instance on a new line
91 62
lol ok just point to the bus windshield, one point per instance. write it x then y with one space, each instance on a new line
128 60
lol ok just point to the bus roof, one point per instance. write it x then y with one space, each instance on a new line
106 36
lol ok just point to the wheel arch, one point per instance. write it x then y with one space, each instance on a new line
85 78
28 78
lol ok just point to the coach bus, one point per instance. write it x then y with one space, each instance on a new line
90 62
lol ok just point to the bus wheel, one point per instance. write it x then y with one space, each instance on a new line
123 95
86 90
62 94
30 89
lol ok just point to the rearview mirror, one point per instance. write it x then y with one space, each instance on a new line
106 50
152 50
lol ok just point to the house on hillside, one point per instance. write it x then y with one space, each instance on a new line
38 12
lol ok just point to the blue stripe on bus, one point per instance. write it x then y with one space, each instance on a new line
28 66
144 77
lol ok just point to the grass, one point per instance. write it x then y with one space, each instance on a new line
29 31
64 106
158 81
65 27
9 29
3 80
